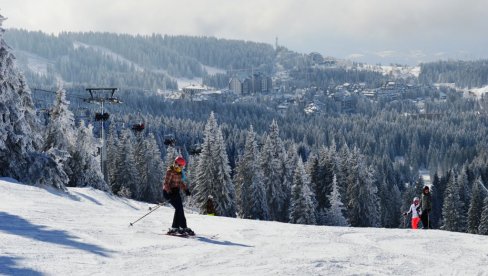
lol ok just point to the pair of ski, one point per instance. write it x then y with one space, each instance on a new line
212 237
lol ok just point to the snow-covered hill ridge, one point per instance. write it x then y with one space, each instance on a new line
86 232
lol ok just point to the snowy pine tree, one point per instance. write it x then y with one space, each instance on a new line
84 165
323 178
453 206
20 139
213 178
127 174
250 192
60 135
476 207
335 214
302 203
483 227
272 156
149 167
363 203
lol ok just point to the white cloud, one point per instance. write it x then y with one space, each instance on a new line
387 53
328 26
354 56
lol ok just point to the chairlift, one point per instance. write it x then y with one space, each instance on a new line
101 117
195 149
138 127
169 140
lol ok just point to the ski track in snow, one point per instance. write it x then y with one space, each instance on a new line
87 232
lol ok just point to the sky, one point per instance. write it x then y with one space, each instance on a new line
375 31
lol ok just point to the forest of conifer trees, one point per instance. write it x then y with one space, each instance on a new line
359 169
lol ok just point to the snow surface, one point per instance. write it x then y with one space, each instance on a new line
478 92
87 232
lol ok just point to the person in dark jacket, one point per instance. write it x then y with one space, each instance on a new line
426 206
173 182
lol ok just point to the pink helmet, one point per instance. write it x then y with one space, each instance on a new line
180 161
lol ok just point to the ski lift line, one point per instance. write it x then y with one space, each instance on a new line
54 92
484 187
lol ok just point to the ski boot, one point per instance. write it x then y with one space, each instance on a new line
188 231
173 231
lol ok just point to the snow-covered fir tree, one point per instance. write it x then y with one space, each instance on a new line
391 207
323 182
272 157
454 220
363 203
483 227
250 192
342 171
20 139
213 178
150 168
60 133
464 194
126 170
476 207
335 214
302 203
84 166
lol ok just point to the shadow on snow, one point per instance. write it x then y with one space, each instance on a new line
16 225
228 243
9 266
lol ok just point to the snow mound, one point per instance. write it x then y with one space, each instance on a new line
87 232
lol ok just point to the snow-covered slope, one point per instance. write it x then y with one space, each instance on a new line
86 232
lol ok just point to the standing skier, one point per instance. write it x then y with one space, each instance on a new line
415 210
173 182
426 205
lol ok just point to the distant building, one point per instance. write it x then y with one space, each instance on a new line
267 84
256 83
235 85
192 90
247 86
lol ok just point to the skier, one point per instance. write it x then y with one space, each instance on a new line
426 207
173 182
415 210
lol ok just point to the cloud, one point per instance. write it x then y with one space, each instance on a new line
355 56
385 54
329 26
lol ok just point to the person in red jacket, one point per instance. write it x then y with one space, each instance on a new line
173 182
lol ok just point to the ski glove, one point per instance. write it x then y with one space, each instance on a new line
187 192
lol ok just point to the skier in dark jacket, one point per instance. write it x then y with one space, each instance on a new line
173 182
426 206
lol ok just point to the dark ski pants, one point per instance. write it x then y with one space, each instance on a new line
425 219
179 219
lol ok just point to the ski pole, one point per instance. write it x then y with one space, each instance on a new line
152 210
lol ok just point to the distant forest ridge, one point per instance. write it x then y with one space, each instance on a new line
150 61
155 61
465 74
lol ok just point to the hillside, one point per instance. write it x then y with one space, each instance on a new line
145 62
86 232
